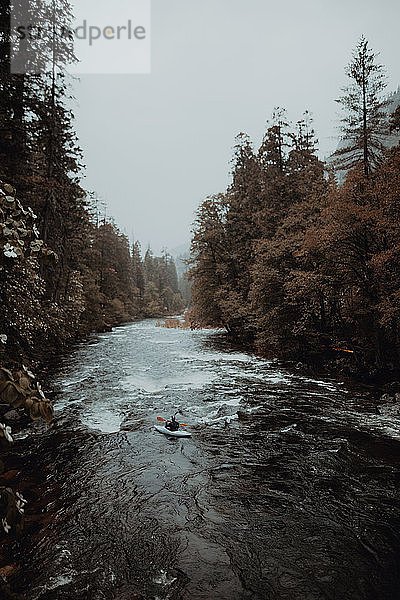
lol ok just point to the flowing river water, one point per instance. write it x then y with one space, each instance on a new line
288 488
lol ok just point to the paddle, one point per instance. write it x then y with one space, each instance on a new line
165 420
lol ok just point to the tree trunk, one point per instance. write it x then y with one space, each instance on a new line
365 128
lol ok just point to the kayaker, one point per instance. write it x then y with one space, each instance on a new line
173 424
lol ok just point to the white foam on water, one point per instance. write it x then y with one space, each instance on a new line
233 402
270 377
67 383
21 436
289 428
383 424
142 366
186 381
195 413
164 342
254 408
215 357
57 582
142 382
193 381
325 384
164 579
392 432
65 401
105 420
207 420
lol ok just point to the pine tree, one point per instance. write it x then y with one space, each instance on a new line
365 121
13 93
208 259
273 148
279 315
395 120
272 157
241 221
137 266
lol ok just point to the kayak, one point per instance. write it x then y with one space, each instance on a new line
179 433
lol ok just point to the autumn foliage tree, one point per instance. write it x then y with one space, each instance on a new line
294 262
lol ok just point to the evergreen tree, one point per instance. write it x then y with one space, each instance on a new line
279 315
365 122
137 269
208 258
395 120
161 295
275 142
13 92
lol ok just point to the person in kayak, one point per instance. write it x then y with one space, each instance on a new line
173 424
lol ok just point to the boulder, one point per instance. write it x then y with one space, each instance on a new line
21 390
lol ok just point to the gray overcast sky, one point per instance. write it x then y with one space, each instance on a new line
156 145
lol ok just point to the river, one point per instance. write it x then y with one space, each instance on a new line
288 488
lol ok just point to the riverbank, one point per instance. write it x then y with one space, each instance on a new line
348 365
332 359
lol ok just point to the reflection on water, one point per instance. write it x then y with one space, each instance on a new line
287 489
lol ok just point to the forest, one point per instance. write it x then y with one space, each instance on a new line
286 476
65 268
300 258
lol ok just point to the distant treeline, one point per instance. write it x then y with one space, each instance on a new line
65 270
297 264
